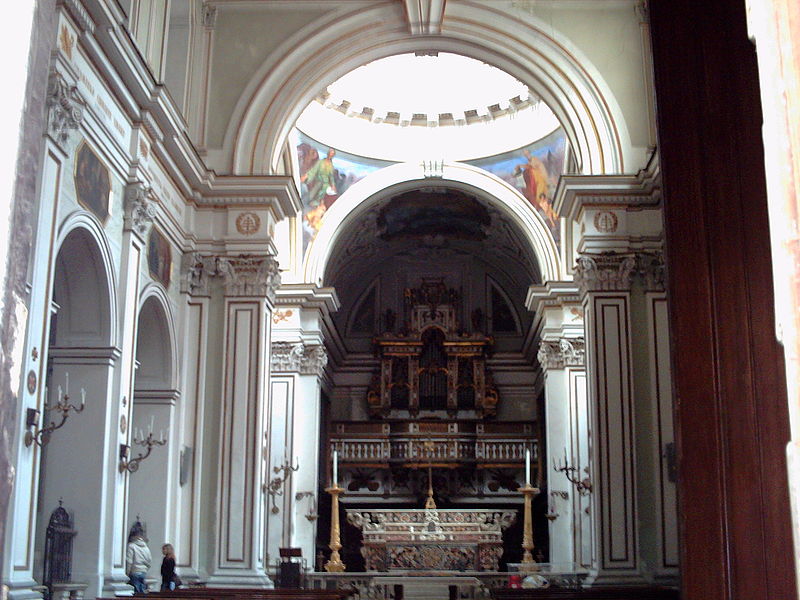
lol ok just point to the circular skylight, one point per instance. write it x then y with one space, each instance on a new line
431 85
433 107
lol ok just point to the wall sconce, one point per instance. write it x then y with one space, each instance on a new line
276 483
41 437
311 515
584 486
148 443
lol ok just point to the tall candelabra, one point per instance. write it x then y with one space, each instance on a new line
335 564
528 563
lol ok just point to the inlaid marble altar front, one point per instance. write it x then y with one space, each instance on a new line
441 540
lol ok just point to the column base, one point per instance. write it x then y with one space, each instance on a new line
23 589
619 578
117 585
242 579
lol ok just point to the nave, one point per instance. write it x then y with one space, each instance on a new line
399 302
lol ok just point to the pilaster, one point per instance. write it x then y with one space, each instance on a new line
139 213
561 355
604 282
249 283
298 373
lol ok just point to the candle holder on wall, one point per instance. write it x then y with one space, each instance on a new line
311 513
148 443
583 486
41 437
276 485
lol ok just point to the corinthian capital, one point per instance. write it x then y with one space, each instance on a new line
65 104
248 275
196 271
650 267
296 357
604 272
564 352
140 208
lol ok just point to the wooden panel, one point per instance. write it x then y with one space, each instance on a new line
731 411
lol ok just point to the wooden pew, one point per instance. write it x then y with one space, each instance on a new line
247 594
591 593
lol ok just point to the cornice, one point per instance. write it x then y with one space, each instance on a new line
551 293
279 191
575 192
308 296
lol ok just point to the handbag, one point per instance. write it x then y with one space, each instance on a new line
176 580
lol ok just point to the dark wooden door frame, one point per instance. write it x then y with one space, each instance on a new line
731 408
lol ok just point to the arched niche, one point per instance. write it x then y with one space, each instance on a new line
525 48
406 176
155 343
83 290
155 409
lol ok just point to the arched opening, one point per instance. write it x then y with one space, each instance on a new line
153 418
80 358
428 385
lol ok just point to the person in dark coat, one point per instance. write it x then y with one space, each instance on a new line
169 581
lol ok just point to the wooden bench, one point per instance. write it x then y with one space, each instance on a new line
247 594
591 593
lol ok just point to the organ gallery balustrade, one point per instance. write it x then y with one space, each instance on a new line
417 443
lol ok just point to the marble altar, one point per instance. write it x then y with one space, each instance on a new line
432 539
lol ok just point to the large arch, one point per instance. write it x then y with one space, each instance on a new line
81 356
333 46
406 176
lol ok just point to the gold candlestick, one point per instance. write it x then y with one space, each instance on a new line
335 564
528 564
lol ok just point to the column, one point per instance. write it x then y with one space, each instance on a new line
298 374
604 282
249 290
194 319
567 441
568 429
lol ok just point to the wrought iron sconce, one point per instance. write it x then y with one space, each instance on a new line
311 515
551 514
132 465
41 437
275 487
583 486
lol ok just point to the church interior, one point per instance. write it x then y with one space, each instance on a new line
404 298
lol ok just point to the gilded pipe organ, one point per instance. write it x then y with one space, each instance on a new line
433 403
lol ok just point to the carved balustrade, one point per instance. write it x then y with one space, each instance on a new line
440 443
